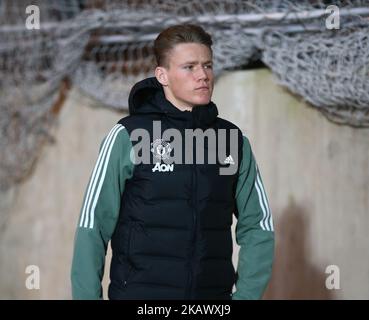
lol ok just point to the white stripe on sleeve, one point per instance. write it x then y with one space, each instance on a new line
102 158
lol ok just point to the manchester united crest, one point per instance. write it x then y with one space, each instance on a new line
161 149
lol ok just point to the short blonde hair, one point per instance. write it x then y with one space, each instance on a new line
181 33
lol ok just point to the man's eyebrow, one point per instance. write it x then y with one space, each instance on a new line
196 62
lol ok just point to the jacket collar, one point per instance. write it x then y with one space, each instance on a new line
147 96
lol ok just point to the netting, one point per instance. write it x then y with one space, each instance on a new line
104 46
331 72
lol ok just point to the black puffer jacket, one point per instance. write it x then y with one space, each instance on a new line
173 237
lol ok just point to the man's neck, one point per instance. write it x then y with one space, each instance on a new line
176 103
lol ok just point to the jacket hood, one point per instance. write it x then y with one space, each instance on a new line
147 97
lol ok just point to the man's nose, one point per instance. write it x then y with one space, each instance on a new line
201 73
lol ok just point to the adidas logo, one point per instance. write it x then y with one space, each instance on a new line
229 160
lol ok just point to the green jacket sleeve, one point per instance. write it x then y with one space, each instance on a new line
99 213
254 230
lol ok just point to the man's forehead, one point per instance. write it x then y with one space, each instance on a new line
190 53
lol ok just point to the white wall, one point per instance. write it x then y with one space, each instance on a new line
316 174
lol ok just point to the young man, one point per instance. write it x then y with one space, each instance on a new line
170 223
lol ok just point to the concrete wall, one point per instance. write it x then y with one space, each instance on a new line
316 175
43 214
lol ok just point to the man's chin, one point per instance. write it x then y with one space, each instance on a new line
202 102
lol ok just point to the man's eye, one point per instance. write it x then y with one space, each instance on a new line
188 67
209 66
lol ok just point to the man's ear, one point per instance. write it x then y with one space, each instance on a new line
161 75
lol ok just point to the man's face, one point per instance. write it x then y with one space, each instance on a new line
189 79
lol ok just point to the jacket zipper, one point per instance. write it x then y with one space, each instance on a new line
194 203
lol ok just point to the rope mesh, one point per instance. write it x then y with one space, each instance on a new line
330 71
105 46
